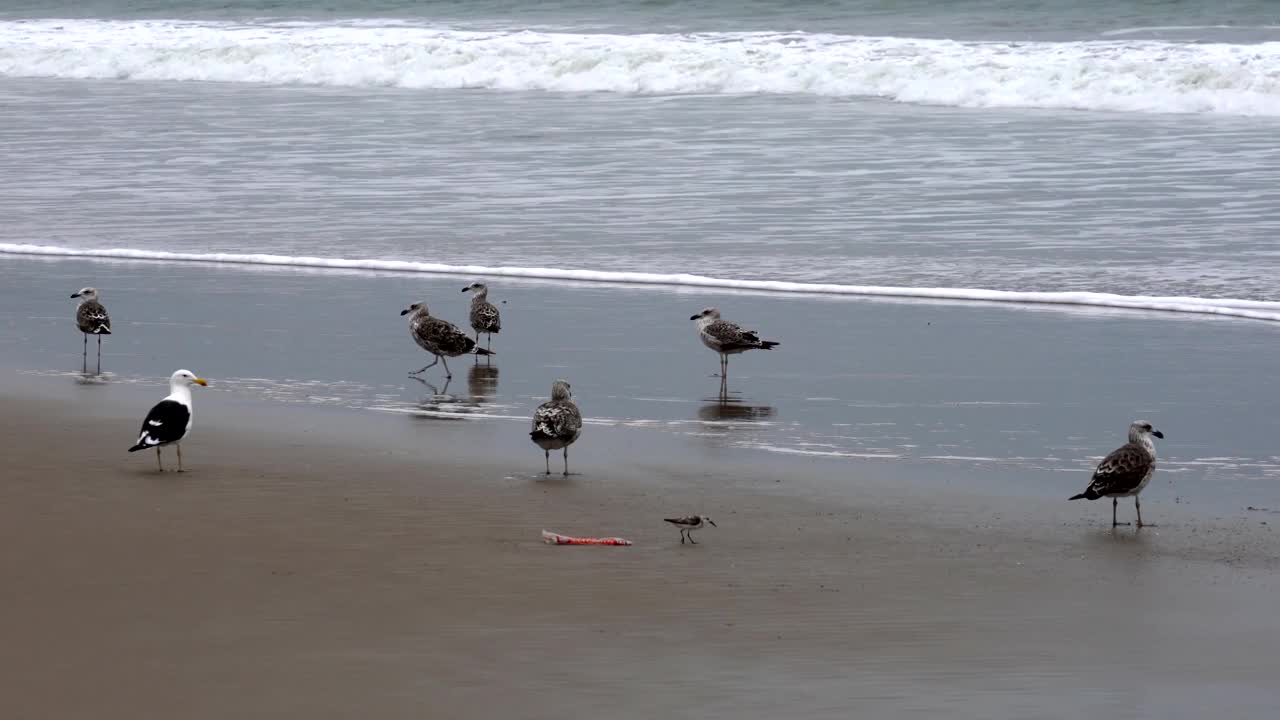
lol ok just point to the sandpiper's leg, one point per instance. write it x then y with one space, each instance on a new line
159 464
548 454
179 447
1138 507
447 375
566 461
433 364
681 536
691 540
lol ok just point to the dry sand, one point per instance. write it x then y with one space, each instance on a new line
303 574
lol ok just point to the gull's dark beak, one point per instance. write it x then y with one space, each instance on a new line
713 522
404 312
1158 434
695 317
76 295
466 288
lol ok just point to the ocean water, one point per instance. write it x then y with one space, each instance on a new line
1122 148
1103 154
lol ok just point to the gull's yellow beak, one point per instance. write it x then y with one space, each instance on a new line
201 382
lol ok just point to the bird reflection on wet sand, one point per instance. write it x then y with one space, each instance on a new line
438 400
732 408
482 383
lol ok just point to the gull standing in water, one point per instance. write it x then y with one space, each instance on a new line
170 420
1126 471
557 423
727 338
438 337
92 319
484 314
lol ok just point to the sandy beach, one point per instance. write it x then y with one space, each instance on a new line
306 569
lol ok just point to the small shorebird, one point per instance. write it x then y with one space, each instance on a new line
1126 471
557 423
438 337
727 338
170 420
690 523
91 319
484 314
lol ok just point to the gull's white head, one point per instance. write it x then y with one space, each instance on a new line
479 288
560 390
416 309
1141 432
185 378
707 314
87 294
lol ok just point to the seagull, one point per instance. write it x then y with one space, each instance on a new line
557 423
690 523
1126 471
438 337
484 314
727 338
170 420
92 319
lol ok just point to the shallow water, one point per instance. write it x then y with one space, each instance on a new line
1021 399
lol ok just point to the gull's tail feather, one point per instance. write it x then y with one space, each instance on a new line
482 351
102 331
768 344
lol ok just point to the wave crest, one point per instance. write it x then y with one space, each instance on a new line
1146 76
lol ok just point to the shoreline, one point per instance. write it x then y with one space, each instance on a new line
1237 308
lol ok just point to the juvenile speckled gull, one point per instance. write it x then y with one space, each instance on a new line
484 316
438 337
557 423
170 420
1126 471
727 338
91 319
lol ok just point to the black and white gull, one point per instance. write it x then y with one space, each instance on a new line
91 319
727 338
557 423
1126 471
170 420
438 337
485 317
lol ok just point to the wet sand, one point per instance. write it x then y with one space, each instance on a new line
315 565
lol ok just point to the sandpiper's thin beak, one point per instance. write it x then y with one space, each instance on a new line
404 312
201 382
695 317
1158 434
713 522
76 295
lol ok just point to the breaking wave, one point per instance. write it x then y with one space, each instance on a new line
1224 307
1114 74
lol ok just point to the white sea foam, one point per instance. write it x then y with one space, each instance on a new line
1117 74
1225 307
